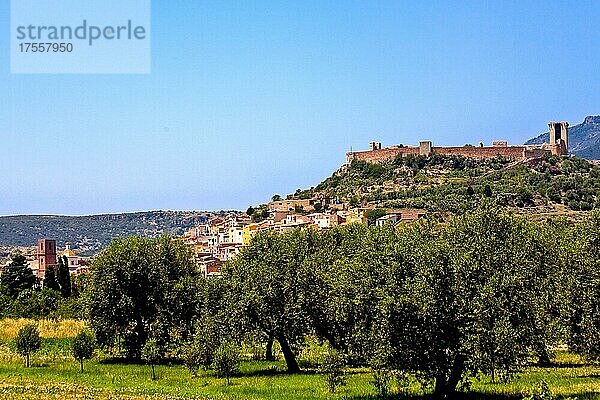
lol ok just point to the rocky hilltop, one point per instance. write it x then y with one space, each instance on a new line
584 138
547 186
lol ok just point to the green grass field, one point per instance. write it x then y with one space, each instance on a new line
55 375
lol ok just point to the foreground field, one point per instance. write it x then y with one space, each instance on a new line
61 379
55 375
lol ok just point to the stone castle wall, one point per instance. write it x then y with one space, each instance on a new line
559 145
512 152
375 156
516 153
389 153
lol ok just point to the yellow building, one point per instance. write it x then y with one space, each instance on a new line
72 259
249 231
355 216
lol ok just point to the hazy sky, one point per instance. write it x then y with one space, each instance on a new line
251 98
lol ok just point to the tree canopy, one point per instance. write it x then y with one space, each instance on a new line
483 293
447 300
17 276
140 286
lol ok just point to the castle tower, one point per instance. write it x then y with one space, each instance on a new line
46 255
559 136
425 147
374 146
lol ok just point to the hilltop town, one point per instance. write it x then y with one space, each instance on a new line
387 185
220 239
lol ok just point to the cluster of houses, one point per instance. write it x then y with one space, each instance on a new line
221 238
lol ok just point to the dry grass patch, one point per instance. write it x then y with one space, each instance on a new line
59 329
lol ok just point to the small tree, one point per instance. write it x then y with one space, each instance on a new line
227 361
83 346
152 353
382 375
200 351
28 341
192 355
333 369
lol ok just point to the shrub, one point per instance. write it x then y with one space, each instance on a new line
193 356
382 380
541 392
28 341
227 361
333 369
253 346
312 353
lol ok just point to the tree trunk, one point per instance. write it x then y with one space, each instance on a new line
457 372
27 360
153 373
445 386
493 368
81 361
288 354
269 353
141 337
544 358
441 387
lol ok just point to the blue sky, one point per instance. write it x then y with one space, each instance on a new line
248 99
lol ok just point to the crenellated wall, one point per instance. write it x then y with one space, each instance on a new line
499 149
389 153
512 152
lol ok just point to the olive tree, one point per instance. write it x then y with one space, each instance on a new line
83 346
28 341
464 301
267 285
582 287
139 284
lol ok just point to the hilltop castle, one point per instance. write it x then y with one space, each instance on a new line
559 145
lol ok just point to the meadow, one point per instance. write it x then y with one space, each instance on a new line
55 375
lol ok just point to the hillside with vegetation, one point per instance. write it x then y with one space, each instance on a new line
92 233
549 186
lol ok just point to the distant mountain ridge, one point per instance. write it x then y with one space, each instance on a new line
89 234
584 138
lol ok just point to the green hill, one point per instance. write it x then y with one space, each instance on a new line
552 185
89 234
